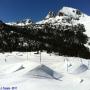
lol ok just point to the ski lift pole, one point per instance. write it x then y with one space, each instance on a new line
27 55
40 57
81 61
27 51
67 64
88 63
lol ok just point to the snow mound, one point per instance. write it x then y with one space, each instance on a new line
43 71
82 68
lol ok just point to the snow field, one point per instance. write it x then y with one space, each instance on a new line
24 70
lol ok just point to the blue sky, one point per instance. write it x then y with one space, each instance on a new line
13 10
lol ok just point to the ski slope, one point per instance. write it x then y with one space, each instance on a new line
24 71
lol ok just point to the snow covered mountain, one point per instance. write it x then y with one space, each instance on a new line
62 16
68 16
65 16
21 22
28 70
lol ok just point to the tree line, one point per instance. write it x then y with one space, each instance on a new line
64 40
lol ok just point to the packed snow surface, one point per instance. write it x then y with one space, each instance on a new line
24 71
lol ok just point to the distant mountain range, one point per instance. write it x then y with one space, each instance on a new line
21 22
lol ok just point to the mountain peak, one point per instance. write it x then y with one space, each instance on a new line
70 8
50 15
71 12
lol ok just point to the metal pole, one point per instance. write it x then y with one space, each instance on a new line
88 64
40 57
81 61
67 64
27 55
27 52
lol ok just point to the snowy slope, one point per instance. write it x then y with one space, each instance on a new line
77 76
86 22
